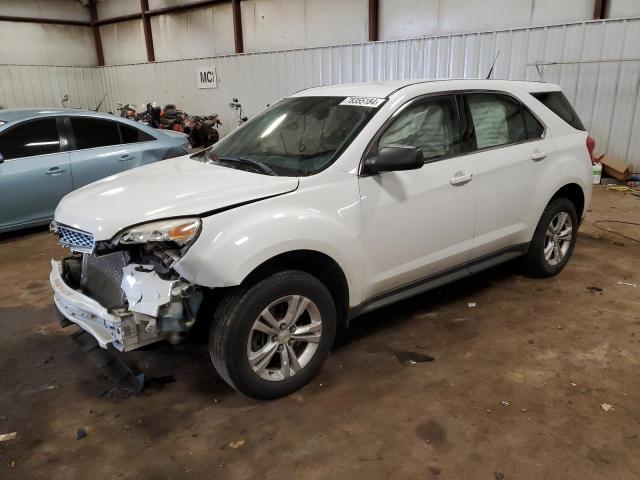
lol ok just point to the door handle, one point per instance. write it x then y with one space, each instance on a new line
55 171
538 155
460 178
125 158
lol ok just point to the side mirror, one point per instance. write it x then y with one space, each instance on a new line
395 158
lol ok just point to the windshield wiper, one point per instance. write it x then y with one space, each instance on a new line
264 168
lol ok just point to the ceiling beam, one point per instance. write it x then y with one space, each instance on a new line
183 8
374 20
93 11
123 18
148 34
600 9
52 21
237 26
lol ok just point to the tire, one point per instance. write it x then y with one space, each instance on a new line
240 327
550 250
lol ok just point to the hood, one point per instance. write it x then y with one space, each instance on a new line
170 188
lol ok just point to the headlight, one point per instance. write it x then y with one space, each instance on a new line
179 231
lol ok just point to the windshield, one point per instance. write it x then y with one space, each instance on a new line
295 137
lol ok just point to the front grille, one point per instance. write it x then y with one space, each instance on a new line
75 239
101 278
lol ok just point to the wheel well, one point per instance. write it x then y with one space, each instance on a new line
321 266
572 192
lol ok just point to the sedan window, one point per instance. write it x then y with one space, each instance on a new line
38 137
133 135
431 125
94 132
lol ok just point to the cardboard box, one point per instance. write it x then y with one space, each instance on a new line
616 168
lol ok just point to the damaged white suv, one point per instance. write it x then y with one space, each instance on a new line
332 202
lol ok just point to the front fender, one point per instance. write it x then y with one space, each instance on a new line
234 243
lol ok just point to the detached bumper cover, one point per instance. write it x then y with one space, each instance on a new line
88 314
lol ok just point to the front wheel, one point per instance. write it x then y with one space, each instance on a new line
553 240
271 338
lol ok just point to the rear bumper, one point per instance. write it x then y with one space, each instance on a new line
85 312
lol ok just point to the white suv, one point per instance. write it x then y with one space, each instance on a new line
331 203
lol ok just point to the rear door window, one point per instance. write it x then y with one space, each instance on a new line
133 135
37 137
497 120
94 132
558 104
535 129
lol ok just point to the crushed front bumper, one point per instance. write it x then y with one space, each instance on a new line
85 312
157 308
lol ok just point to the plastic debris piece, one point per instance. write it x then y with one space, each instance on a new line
524 410
81 433
627 284
573 384
5 437
504 403
471 304
236 444
606 407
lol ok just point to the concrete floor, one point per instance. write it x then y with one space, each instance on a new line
553 349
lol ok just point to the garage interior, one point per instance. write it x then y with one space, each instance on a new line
497 376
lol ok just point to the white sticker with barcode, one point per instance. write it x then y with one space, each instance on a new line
372 102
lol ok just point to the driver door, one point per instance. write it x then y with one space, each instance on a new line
418 223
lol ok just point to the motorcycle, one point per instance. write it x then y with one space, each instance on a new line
127 110
236 106
202 130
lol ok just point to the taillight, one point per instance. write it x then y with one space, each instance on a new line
591 146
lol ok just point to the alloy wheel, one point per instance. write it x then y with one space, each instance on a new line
284 337
558 238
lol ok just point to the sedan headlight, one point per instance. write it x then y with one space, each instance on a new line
179 231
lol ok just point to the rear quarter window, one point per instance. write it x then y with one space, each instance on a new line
558 104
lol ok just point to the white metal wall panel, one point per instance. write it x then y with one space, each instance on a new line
46 44
203 32
44 86
123 42
407 18
605 93
622 8
58 9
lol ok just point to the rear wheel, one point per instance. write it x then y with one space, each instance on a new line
271 338
553 240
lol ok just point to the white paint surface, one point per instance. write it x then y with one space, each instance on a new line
58 9
123 42
623 8
46 44
204 32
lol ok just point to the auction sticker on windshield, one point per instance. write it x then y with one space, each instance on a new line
363 101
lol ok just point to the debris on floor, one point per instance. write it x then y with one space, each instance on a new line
627 284
471 304
411 358
606 407
524 410
236 444
594 288
5 437
504 403
81 433
499 476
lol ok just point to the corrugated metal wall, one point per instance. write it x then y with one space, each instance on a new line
44 86
606 95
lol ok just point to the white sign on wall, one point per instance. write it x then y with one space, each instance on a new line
207 77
